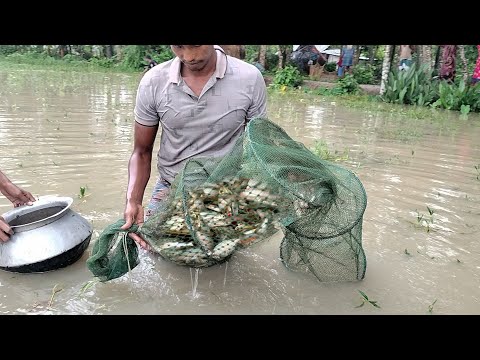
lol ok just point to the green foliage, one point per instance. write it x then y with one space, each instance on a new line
163 53
464 109
7 49
346 85
251 53
128 58
330 67
289 76
459 97
102 62
416 87
72 58
133 57
322 150
271 57
425 220
31 58
413 86
471 54
364 74
365 299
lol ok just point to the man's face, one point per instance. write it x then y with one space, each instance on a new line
194 57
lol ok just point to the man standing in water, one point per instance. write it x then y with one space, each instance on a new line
202 99
17 196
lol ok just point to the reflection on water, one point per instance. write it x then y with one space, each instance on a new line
60 131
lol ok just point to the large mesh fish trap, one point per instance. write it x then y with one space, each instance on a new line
267 181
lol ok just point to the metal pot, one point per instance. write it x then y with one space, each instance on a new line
48 235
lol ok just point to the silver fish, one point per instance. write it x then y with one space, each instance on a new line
204 240
175 245
224 249
194 257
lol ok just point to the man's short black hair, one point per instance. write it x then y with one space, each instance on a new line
148 57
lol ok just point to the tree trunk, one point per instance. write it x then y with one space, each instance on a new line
461 50
438 60
234 50
393 57
419 58
371 53
62 50
427 56
262 56
288 52
108 51
387 62
283 54
434 56
356 55
280 57
118 51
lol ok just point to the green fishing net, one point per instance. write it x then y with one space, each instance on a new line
268 182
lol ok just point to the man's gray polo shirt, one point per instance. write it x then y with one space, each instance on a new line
207 125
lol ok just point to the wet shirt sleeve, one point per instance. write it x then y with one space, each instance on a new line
258 108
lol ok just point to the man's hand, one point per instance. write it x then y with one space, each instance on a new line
5 230
17 195
134 215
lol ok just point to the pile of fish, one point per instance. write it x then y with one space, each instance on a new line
205 228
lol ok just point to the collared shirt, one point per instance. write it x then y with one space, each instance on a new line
207 125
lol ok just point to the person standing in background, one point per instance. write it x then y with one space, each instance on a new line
346 55
406 57
448 71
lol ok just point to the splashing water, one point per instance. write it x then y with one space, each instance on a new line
225 277
194 282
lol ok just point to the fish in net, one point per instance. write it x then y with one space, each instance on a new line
267 182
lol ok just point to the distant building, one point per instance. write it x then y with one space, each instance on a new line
332 55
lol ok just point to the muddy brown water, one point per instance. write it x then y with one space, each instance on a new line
60 131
